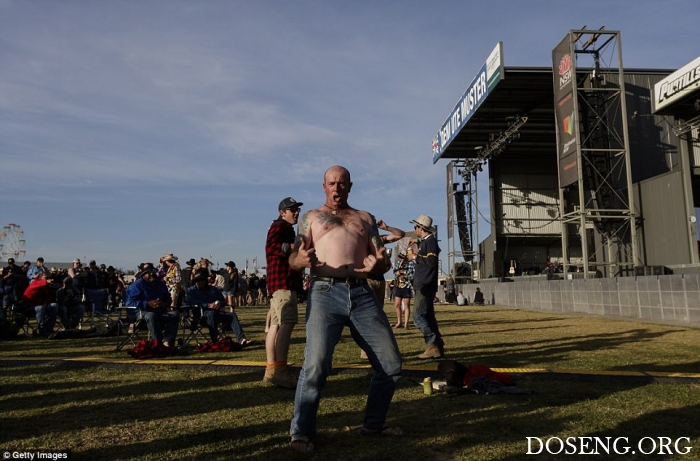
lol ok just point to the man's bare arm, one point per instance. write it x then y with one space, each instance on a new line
377 260
395 235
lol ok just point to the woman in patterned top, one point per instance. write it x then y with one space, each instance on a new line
173 277
403 292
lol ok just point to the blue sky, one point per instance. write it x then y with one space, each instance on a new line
132 129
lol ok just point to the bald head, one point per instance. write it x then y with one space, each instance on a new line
337 169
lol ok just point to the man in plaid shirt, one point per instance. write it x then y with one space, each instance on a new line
283 284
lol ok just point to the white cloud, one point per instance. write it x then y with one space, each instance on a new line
240 103
260 129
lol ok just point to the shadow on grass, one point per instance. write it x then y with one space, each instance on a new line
521 353
143 411
177 416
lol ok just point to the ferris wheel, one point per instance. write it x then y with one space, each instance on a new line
12 242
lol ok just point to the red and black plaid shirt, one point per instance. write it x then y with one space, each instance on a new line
279 275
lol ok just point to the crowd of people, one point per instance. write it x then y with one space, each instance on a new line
53 294
80 295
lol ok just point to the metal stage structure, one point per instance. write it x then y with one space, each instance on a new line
595 174
584 178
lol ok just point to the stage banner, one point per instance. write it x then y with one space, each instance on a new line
485 81
564 71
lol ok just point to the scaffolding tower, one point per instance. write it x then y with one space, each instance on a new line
595 177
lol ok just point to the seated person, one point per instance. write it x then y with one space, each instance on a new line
478 297
211 300
37 299
151 296
461 300
70 307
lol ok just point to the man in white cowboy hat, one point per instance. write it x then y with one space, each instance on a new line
425 283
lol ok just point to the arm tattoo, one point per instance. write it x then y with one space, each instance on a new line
297 243
304 224
374 235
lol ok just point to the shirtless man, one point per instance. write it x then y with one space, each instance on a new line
341 245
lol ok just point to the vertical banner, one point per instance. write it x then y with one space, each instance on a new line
564 71
450 193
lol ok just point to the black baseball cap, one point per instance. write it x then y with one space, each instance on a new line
289 202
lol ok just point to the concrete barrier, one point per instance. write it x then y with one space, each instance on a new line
662 298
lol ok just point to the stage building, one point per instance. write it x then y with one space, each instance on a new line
593 172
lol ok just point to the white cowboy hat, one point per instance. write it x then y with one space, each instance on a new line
424 221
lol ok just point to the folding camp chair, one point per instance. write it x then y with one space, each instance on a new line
129 324
20 315
193 326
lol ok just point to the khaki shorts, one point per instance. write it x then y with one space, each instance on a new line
283 307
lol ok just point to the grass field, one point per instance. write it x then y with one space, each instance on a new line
584 374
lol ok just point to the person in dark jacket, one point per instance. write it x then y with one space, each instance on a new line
425 284
151 296
70 306
210 299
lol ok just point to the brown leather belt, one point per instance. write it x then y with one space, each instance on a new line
343 280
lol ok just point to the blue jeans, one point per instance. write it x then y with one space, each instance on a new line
9 296
214 317
71 315
46 317
424 318
159 321
330 307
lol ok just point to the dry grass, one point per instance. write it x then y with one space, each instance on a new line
180 409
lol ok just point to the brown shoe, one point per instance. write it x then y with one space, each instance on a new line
432 352
282 377
269 373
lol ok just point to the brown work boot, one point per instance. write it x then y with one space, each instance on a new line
432 352
269 373
281 376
